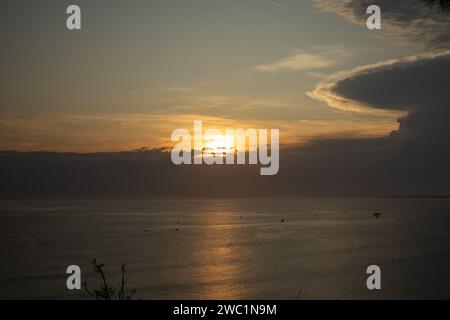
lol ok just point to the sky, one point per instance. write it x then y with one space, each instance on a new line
360 112
140 69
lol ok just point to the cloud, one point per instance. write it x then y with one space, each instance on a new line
316 58
170 89
328 168
277 4
336 90
299 62
102 132
413 21
413 87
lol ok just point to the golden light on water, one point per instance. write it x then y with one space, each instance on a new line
221 262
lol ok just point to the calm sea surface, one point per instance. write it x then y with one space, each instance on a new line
229 249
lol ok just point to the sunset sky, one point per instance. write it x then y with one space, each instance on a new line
360 112
137 71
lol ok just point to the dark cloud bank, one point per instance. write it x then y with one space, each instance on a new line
353 168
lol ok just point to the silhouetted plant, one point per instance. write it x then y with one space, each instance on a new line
107 291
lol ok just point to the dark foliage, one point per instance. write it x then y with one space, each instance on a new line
107 291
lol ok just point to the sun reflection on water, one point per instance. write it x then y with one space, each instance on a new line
221 261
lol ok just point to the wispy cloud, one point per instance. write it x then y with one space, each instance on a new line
174 89
115 132
277 4
201 99
299 62
313 59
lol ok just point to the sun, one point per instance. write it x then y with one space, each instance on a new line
216 145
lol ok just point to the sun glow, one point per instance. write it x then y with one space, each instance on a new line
218 145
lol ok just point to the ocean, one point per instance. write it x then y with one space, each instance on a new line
229 249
